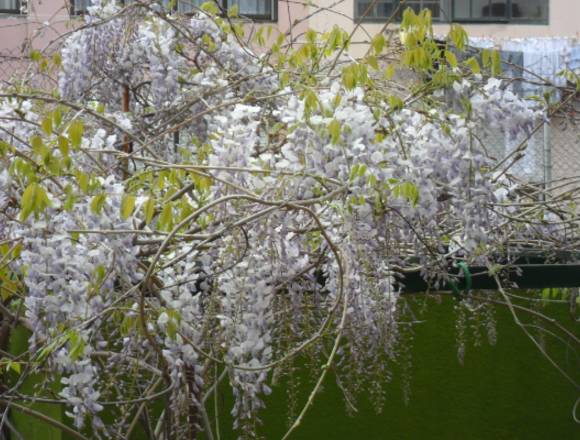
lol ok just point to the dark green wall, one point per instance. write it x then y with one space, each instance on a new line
506 391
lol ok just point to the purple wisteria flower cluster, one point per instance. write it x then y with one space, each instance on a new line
186 214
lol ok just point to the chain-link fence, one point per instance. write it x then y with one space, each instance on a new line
17 65
12 65
549 158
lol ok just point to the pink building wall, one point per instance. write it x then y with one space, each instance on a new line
47 19
41 25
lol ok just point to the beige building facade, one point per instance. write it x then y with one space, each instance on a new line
40 21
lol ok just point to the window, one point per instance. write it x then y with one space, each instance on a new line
500 10
79 7
254 8
10 6
468 11
258 9
383 9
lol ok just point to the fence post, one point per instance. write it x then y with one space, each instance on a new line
127 147
547 156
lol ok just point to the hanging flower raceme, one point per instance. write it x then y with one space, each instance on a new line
191 212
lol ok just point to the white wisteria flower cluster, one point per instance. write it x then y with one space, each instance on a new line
187 213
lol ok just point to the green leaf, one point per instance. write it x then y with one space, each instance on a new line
14 366
395 102
75 133
34 199
77 345
362 170
127 206
97 203
5 147
37 145
171 329
63 146
57 59
83 181
495 63
348 78
451 58
57 117
378 43
473 65
165 221
69 202
458 36
35 55
100 273
373 62
334 130
210 7
234 11
47 126
310 102
149 210
408 191
27 201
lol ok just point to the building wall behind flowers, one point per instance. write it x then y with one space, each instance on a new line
543 49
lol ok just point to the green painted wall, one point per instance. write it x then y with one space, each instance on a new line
506 391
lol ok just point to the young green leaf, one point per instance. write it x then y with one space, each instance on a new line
75 133
149 210
47 126
127 206
98 202
334 130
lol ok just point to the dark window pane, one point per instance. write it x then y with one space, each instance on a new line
80 6
253 7
382 9
434 7
498 9
480 9
362 9
461 9
9 5
385 9
530 9
417 5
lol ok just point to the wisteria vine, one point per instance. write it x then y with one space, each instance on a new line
239 211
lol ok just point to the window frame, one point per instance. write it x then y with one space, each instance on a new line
497 20
223 4
13 11
367 19
447 15
272 17
73 12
